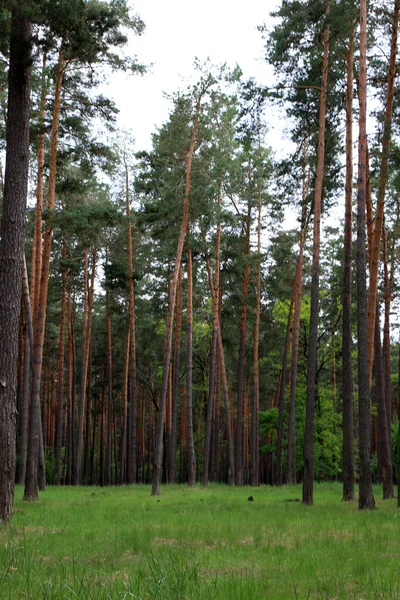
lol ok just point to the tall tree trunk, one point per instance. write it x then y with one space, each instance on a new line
383 176
254 469
388 293
12 235
291 466
175 385
108 469
70 379
124 416
282 386
82 392
347 371
132 446
366 497
398 430
308 481
88 298
24 404
61 356
158 452
31 489
385 459
224 380
242 358
189 372
37 244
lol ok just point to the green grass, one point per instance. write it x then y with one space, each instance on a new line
110 543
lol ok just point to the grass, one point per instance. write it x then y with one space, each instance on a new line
121 543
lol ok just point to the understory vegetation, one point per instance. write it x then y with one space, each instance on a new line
199 543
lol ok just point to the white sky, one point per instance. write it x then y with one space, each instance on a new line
177 32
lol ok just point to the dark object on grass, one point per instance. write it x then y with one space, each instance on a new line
292 500
250 499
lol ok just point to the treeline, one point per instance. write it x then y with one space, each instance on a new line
171 329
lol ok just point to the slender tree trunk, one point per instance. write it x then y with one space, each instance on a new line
37 247
132 446
383 436
242 358
366 497
70 379
254 469
383 176
189 374
347 371
291 467
175 385
388 293
158 452
24 404
124 418
31 489
282 387
398 431
108 472
61 345
82 392
308 481
224 380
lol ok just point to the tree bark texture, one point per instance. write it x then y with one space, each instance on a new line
12 235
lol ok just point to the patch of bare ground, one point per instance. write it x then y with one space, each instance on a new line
40 530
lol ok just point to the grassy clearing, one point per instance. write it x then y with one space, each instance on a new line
109 543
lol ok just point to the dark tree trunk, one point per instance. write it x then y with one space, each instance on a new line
254 450
388 293
366 497
282 388
70 380
191 467
60 391
347 374
82 392
132 434
12 235
384 451
242 357
308 481
175 383
108 469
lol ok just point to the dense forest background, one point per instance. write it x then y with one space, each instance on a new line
172 327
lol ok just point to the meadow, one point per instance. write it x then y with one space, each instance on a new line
121 543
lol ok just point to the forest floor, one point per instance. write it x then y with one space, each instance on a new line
110 543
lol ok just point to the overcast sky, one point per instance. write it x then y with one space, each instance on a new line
178 31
